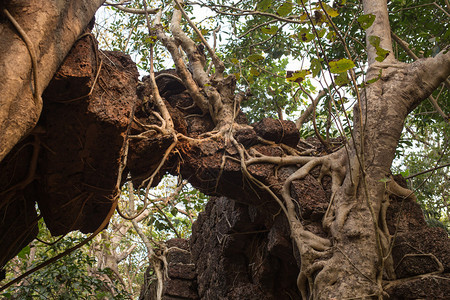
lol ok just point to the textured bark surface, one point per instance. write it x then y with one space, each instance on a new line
182 277
240 251
226 233
52 28
84 138
78 144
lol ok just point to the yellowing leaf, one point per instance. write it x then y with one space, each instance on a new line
151 39
285 8
381 53
297 76
321 32
341 65
330 11
305 35
341 79
374 40
234 61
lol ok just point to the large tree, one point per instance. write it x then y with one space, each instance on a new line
354 258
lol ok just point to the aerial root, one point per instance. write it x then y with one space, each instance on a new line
434 274
313 249
395 189
306 276
30 46
36 144
314 241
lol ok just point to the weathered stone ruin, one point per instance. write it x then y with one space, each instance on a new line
241 246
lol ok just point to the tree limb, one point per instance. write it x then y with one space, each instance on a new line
309 110
428 170
182 71
405 47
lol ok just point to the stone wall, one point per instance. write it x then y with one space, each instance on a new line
240 251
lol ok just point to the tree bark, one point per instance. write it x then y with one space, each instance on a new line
52 28
361 258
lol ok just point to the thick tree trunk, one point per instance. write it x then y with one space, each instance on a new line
52 27
361 257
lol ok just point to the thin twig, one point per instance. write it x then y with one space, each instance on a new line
426 171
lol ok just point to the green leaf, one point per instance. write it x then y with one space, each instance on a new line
321 32
330 11
297 76
366 20
341 65
151 39
269 30
174 211
285 9
374 40
255 57
316 66
263 5
405 173
24 252
381 53
373 80
341 79
305 35
384 180
331 36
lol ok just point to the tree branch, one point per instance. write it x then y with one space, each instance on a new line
182 71
429 73
411 54
426 171
309 110
217 62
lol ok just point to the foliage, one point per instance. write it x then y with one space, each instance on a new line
172 215
80 275
69 278
426 150
336 43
